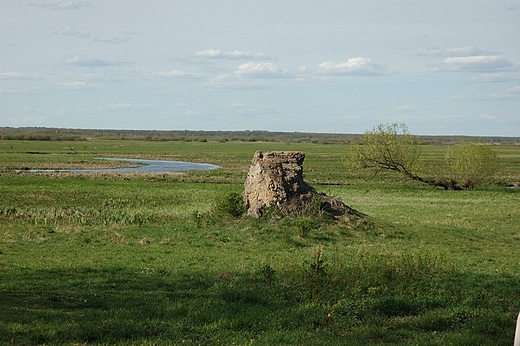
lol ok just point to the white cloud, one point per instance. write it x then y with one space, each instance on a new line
511 93
73 85
471 59
18 76
93 62
135 74
354 66
123 106
459 52
208 53
62 111
261 70
127 32
228 82
496 77
236 54
477 63
120 106
243 109
176 74
27 120
498 118
62 5
191 113
403 109
113 40
68 31
17 90
457 98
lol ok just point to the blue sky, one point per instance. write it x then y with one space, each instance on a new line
441 67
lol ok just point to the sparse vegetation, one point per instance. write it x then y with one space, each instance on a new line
161 259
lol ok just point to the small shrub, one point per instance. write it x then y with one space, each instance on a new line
198 218
269 275
318 266
304 226
316 280
443 319
395 306
230 204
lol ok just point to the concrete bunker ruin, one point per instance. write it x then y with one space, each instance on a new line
275 179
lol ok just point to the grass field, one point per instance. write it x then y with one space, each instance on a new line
128 259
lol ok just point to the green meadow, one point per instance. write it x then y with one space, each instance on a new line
154 259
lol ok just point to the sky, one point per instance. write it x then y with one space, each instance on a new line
440 67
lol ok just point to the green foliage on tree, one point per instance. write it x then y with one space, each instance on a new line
392 147
470 163
389 147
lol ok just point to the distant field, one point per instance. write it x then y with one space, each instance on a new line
129 259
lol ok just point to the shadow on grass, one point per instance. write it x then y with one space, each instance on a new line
121 306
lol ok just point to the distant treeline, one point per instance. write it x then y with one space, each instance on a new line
60 134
